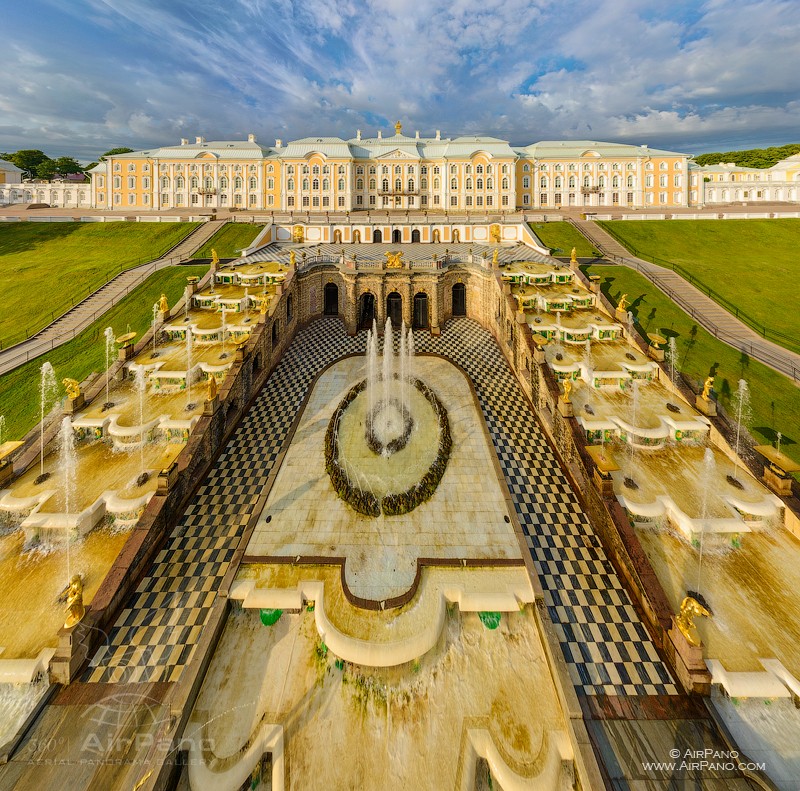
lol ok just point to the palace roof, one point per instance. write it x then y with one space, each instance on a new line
574 149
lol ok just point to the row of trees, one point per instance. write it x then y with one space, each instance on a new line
40 166
752 157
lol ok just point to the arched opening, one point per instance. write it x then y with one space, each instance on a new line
420 319
397 237
394 308
356 237
456 235
377 236
337 236
366 311
275 333
331 300
436 236
415 236
459 299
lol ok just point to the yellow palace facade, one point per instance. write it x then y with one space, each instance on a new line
397 172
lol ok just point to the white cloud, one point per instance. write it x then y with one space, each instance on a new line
147 72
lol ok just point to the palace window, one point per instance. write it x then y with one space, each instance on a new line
195 199
209 182
340 170
385 185
340 185
602 166
468 169
488 169
489 200
586 181
340 201
411 185
630 197
131 199
359 184
453 184
325 201
252 200
677 166
359 200
325 170
305 184
572 166
662 197
398 185
289 185
479 200
662 166
469 201
306 170
270 184
326 185
504 169
314 184
662 181
384 169
270 169
648 166
193 168
489 184
165 183
648 181
630 166
526 167
543 182
423 183
398 169
305 201
587 167
468 184
676 181
615 182
315 170
557 198
372 170
194 182
237 183
117 182
558 182
453 169
454 200
290 201
601 182
557 168
372 184
435 170
479 184
290 170
131 167
504 184
571 182
435 200
436 184
253 183
164 198
423 170
526 182
371 200
629 181
504 200
132 183
179 183
360 171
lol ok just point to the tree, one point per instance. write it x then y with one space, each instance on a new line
29 159
114 151
66 165
46 169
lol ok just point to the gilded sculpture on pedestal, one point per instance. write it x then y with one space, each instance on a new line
494 233
163 305
394 260
494 258
567 390
75 608
292 258
211 392
623 302
72 387
573 256
707 385
684 620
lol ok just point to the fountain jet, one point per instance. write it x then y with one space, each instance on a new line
47 392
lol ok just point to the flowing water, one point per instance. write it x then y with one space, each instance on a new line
741 408
109 339
141 387
48 389
705 482
68 461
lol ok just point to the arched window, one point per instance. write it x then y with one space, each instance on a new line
341 170
326 184
587 168
630 181
558 182
526 182
270 184
290 170
468 168
572 182
601 182
489 184
315 184
411 185
237 183
504 184
384 169
586 181
209 182
479 169
526 167
290 185
360 171
385 185
359 184
305 184
223 183
435 170
315 170
179 183
615 182
372 170
398 185
340 185
453 184
194 182
543 182
469 184
437 184
372 184
165 183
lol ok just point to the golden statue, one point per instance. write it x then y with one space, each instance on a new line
263 303
214 258
494 233
623 302
211 393
394 260
709 383
398 127
292 258
494 258
163 305
684 620
72 387
75 608
573 256
298 237
567 390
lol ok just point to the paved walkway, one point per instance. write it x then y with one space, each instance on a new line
96 304
607 649
704 310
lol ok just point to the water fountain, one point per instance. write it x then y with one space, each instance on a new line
706 478
672 357
630 483
189 404
48 387
2 428
141 387
741 406
153 325
68 462
224 332
588 362
247 304
109 342
187 301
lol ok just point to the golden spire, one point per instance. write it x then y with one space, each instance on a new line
398 128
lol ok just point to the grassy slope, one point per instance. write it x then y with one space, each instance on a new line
45 266
561 237
775 400
229 240
752 263
19 389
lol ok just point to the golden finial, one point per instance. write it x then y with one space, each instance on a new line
398 128
211 394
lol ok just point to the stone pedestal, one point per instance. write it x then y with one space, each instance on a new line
706 406
521 318
776 479
6 471
73 648
210 407
162 316
539 356
604 484
72 405
506 288
622 316
167 478
594 284
690 667
436 330
565 408
125 352
655 353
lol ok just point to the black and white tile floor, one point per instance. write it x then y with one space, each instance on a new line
605 645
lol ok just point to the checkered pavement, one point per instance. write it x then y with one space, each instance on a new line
607 649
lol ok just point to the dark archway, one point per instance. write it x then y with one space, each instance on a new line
456 236
356 237
377 236
275 331
397 237
415 236
420 320
366 311
337 236
459 299
331 303
394 308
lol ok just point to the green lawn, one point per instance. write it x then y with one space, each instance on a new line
775 399
46 267
19 389
229 240
561 237
754 264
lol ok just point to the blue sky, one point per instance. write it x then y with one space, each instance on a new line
83 76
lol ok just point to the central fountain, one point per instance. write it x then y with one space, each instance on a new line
388 442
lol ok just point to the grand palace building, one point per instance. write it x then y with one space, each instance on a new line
399 172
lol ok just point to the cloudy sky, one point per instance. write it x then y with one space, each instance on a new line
82 76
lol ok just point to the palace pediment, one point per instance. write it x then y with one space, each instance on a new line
398 153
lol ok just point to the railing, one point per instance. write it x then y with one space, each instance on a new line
778 337
765 355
